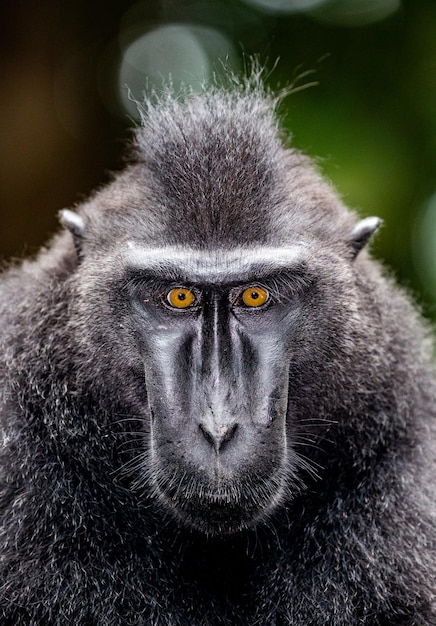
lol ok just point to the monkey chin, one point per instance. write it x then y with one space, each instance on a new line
223 509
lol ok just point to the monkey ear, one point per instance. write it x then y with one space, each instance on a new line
75 224
362 233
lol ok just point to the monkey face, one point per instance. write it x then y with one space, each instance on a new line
236 356
215 333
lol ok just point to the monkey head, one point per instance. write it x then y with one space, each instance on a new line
216 300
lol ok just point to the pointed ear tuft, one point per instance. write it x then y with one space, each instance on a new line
362 233
76 225
72 221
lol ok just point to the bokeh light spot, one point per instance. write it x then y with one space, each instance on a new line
286 6
337 12
180 54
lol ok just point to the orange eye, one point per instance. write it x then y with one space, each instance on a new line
181 298
255 296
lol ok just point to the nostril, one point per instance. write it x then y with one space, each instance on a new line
217 436
207 435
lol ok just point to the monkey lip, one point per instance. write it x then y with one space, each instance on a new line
216 507
221 498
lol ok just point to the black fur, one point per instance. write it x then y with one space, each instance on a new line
86 538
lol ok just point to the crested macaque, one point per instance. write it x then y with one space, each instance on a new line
216 409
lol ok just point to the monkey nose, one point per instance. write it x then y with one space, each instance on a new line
218 436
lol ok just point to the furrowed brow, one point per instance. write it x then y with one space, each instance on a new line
216 266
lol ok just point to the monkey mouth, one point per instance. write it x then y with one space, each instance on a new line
215 515
220 507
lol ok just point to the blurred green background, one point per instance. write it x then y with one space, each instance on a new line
370 121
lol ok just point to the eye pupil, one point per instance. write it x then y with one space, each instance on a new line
254 295
181 296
